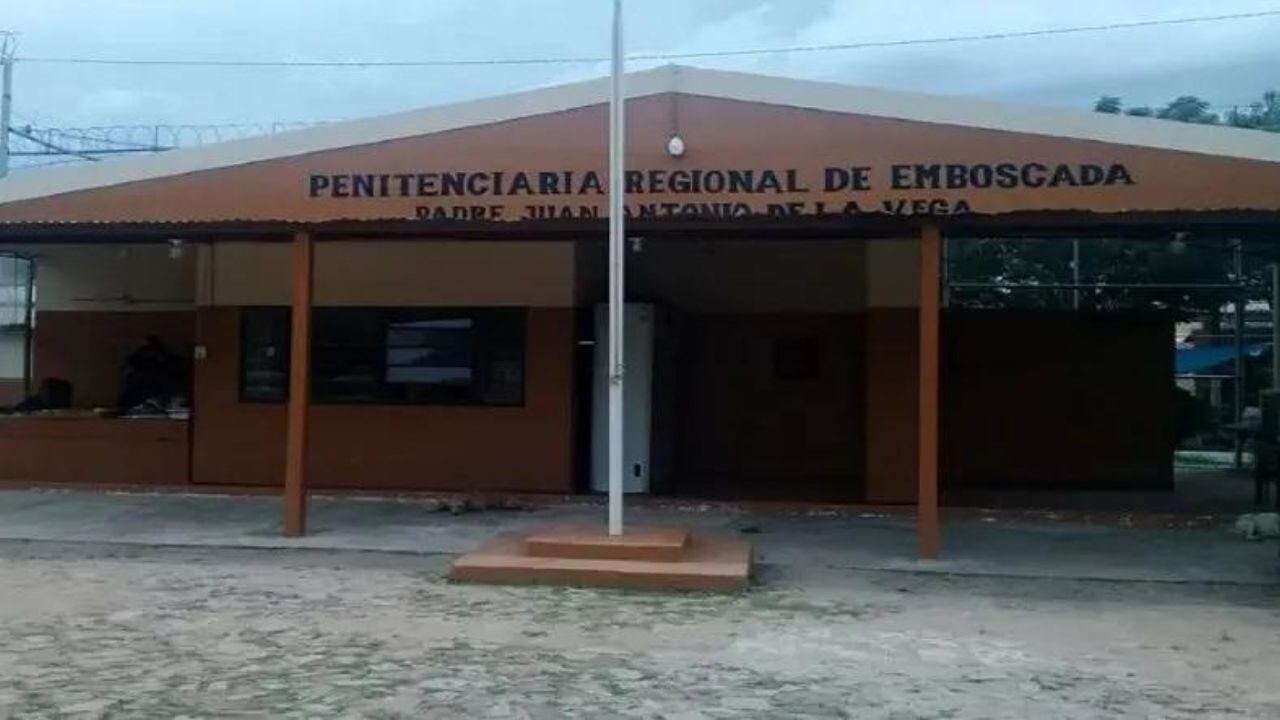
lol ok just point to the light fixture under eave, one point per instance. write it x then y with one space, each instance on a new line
675 146
175 249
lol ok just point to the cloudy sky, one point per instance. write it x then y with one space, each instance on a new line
1226 62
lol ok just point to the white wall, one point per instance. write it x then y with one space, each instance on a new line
893 273
738 276
68 277
749 276
370 273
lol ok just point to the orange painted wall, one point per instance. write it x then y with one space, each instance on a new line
718 133
1054 399
1029 399
1073 402
91 450
88 348
518 449
892 354
744 432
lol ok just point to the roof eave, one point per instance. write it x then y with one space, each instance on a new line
808 94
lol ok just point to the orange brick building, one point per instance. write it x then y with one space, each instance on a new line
405 302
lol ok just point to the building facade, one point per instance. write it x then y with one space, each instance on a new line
407 303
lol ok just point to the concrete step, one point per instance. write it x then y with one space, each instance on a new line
661 544
706 564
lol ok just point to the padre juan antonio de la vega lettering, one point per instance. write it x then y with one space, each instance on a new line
548 193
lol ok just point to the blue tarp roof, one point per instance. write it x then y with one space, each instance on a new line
1202 359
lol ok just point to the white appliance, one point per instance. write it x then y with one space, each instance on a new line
639 324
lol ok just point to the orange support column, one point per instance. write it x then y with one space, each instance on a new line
295 461
927 526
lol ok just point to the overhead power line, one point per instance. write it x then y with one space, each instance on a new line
192 62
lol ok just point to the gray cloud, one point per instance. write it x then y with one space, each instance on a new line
1228 62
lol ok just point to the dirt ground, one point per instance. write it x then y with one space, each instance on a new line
145 632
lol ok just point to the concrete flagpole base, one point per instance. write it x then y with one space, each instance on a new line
657 558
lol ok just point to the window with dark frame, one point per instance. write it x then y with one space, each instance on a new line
390 356
347 348
264 354
431 359
797 358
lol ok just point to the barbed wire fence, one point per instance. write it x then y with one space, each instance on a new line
35 146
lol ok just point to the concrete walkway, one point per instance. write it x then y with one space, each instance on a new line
788 543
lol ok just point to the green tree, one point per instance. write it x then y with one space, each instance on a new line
1110 261
1264 115
1188 108
1109 104
1261 115
999 263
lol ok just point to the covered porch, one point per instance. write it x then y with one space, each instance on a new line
406 303
883 436
240 316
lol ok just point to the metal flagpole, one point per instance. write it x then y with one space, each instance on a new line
617 258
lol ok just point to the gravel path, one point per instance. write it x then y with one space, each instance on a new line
135 632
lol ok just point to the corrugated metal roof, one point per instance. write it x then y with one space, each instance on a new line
824 96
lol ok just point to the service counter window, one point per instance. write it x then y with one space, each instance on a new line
391 356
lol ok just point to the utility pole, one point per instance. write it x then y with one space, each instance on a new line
617 274
945 272
1275 327
1075 274
8 43
1241 300
28 326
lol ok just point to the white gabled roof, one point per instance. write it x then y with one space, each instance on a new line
824 96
